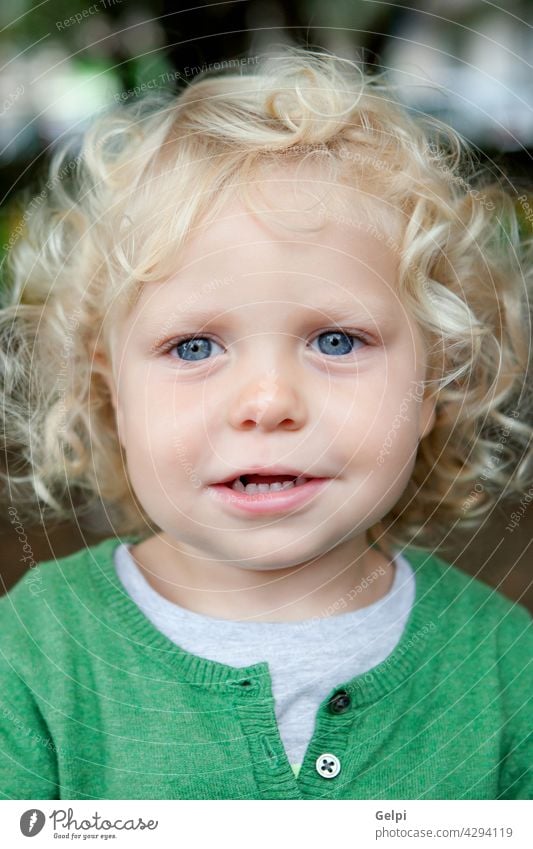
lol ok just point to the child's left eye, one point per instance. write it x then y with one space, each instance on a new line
340 343
197 348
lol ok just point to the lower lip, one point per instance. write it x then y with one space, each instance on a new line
265 503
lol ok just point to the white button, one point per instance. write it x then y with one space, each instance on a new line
328 766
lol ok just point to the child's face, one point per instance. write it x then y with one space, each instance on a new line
266 384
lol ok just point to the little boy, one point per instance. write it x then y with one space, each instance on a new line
264 393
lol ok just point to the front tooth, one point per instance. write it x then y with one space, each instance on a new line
269 487
254 488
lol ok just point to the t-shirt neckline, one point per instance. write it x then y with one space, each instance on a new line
127 622
349 616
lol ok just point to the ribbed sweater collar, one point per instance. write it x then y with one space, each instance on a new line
127 622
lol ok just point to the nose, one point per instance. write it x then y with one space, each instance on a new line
268 402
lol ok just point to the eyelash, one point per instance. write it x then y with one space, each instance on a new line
167 347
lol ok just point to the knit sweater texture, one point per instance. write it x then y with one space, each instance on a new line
96 703
305 657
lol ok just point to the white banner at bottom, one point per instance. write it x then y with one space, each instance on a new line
268 824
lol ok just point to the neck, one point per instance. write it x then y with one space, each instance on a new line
347 578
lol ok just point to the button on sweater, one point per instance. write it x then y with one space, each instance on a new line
97 703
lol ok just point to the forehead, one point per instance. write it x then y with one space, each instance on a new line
299 235
292 237
297 204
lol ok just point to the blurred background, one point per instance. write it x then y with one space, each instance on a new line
468 62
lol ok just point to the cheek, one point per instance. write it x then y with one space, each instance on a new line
395 445
369 423
165 446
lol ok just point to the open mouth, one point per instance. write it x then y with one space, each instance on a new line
252 484
257 494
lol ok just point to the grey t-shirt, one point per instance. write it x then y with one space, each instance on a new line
306 658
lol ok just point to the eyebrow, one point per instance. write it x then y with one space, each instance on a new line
334 310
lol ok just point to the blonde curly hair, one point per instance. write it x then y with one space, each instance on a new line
118 206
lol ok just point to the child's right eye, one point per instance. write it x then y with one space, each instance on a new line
195 347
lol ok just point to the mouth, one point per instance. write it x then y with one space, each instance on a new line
253 483
267 494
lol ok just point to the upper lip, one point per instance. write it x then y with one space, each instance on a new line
266 470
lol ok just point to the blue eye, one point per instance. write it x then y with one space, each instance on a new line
195 347
339 342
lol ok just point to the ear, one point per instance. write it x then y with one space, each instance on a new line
428 416
102 366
